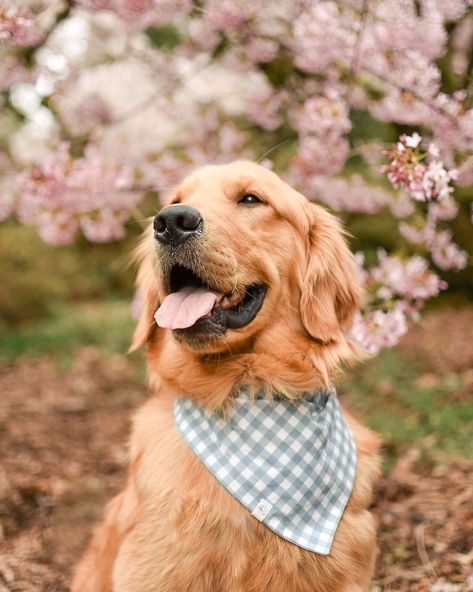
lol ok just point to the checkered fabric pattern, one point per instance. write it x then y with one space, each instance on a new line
292 465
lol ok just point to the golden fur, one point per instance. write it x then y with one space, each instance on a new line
174 528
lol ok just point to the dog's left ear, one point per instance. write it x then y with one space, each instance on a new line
148 302
331 291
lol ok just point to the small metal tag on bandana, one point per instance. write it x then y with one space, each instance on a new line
291 464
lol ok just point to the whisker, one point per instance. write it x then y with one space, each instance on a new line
268 152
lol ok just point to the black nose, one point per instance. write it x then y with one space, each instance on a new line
175 224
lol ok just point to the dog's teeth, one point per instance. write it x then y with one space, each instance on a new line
231 300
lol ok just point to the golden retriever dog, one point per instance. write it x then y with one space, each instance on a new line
280 288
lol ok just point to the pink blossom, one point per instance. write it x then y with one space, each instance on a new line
352 194
399 106
451 10
398 26
227 15
56 227
96 4
139 14
104 226
363 273
416 171
379 329
321 123
436 181
396 290
12 71
321 155
415 235
401 205
63 194
407 79
445 209
451 121
261 51
411 71
446 254
322 21
414 141
409 279
323 115
18 27
461 45
90 112
265 110
204 34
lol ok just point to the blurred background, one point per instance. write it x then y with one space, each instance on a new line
104 105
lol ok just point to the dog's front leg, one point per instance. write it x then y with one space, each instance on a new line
94 572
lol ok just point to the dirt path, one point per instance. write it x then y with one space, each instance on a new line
63 451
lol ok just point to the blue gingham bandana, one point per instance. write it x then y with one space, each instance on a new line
291 464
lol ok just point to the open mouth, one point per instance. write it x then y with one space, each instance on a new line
193 305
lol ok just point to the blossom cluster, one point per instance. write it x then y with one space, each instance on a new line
18 27
423 176
65 195
419 172
397 290
146 90
322 123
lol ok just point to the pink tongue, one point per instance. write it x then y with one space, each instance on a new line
184 308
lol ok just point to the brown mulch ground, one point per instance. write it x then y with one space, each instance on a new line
63 454
426 528
63 440
444 340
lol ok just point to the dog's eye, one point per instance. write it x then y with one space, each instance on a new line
249 200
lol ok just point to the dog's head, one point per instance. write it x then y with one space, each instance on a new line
238 253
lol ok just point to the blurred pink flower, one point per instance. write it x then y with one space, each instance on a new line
139 14
56 227
226 15
446 254
396 290
323 115
451 121
322 35
352 194
411 278
261 51
90 112
63 195
12 71
265 109
321 155
18 27
378 329
204 34
445 209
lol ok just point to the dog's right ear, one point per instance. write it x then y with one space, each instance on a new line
331 293
147 295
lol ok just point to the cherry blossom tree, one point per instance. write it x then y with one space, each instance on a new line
364 105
